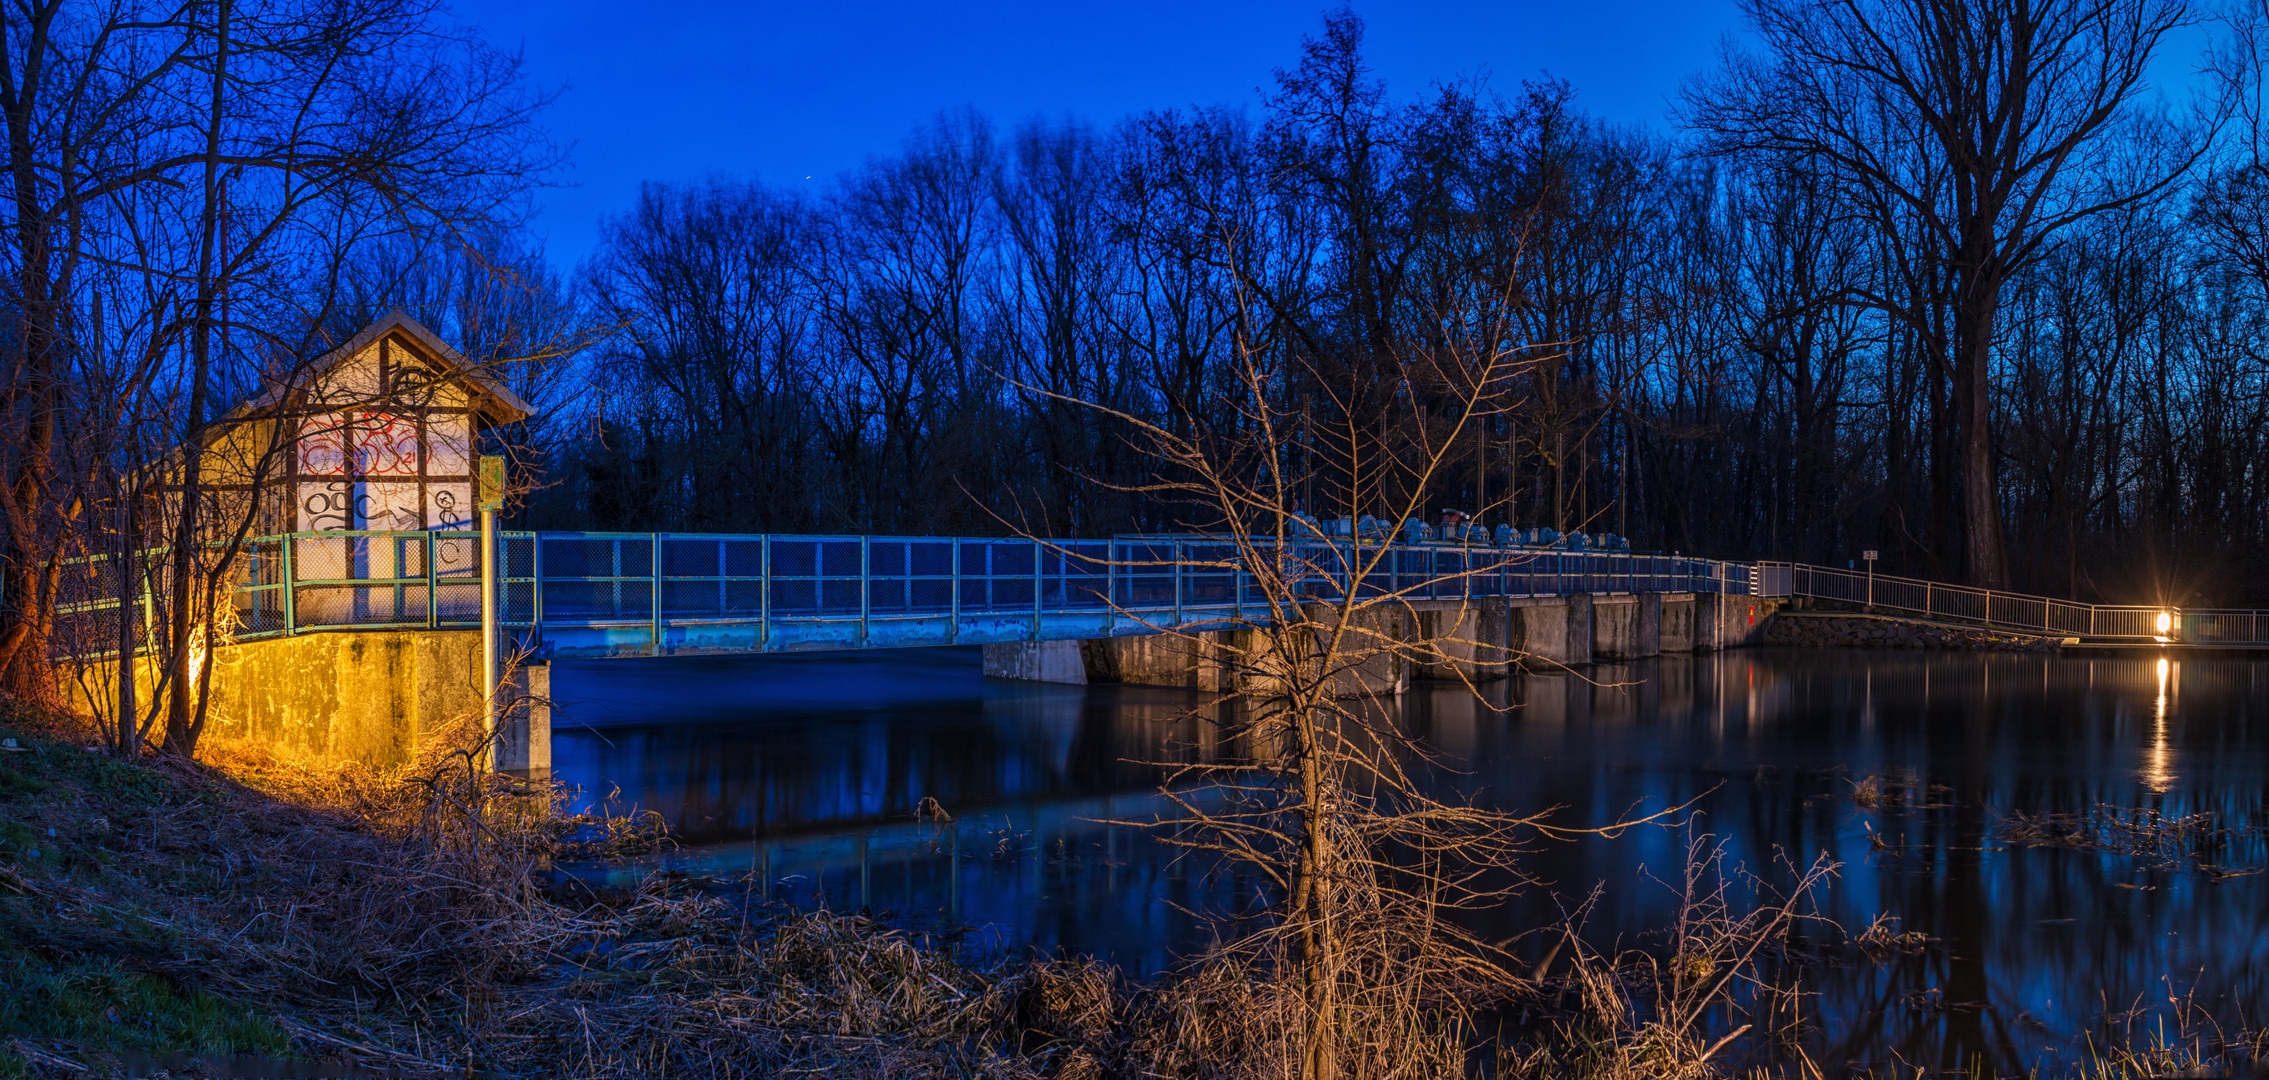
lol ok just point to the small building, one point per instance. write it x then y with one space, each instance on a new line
380 435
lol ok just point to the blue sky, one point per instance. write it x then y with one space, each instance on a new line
794 94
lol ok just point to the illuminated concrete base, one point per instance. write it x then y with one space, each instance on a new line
375 698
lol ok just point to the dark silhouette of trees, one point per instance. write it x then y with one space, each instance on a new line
1968 136
1930 278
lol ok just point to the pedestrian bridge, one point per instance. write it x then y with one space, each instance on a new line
574 595
598 595
357 645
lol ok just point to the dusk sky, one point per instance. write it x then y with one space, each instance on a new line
794 94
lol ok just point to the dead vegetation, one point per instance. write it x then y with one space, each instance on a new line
1722 982
2203 841
400 922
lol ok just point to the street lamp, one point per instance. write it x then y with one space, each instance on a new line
1869 555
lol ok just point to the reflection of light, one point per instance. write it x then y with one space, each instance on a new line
2158 762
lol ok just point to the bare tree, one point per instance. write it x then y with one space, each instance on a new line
1968 135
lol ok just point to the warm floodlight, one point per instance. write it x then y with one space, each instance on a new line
2166 623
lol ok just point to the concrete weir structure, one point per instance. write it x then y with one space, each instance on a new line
375 698
1480 639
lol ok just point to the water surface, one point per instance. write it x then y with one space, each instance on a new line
805 773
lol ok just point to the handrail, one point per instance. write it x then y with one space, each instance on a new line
661 584
2018 611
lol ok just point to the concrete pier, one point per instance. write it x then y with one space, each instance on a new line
1475 640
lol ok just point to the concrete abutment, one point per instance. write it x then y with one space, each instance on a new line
1479 640
373 697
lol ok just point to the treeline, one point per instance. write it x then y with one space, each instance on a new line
1747 339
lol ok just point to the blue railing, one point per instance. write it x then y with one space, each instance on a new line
625 594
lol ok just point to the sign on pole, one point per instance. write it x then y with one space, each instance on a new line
492 482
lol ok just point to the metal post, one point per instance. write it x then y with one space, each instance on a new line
953 557
488 627
1176 549
866 585
654 593
291 585
491 500
1237 582
536 586
764 599
432 583
1039 578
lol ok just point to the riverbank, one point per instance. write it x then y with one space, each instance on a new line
1854 630
265 919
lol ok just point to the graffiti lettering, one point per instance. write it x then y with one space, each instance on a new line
386 445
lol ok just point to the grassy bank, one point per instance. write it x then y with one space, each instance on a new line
264 917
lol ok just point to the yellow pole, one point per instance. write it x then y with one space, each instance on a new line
491 500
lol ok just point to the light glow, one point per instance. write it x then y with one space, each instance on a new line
2157 772
2166 623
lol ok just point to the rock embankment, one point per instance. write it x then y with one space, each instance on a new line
1820 630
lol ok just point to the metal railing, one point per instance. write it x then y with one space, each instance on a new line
2014 611
650 593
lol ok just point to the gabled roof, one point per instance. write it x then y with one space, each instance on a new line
505 407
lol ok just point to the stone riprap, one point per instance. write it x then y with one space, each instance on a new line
1850 630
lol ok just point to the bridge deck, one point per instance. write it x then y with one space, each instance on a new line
584 594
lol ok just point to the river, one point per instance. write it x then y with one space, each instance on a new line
804 773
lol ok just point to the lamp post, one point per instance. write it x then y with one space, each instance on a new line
1869 555
491 500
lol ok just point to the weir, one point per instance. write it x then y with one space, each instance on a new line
356 644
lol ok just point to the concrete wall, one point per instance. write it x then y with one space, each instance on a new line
368 696
1550 633
1727 622
371 697
1478 640
1678 622
1036 661
1616 630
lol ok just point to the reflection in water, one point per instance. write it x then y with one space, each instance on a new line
2158 767
805 773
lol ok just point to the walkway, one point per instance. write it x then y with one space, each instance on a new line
586 594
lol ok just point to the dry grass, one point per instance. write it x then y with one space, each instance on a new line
1668 1013
395 921
2203 841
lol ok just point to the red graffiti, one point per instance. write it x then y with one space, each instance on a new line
323 453
386 445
